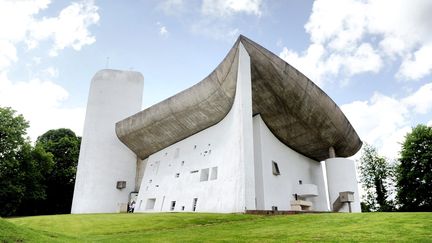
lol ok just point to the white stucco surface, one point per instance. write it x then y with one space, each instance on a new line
279 190
103 159
175 173
341 176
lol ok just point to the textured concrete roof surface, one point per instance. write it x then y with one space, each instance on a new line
297 111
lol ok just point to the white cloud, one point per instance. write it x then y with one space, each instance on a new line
222 8
41 103
163 31
421 100
69 29
417 65
172 7
357 35
40 99
215 30
384 121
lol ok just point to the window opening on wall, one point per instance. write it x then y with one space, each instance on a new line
275 168
214 173
195 147
150 203
157 186
300 182
121 184
177 175
204 174
177 153
173 203
182 163
209 144
274 208
194 204
194 171
183 208
156 167
150 181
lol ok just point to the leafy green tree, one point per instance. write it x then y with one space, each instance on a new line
22 167
64 145
36 164
12 139
376 176
414 172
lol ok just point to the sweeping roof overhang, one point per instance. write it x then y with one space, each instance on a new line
297 111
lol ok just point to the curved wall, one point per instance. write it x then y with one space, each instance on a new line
279 190
103 159
341 176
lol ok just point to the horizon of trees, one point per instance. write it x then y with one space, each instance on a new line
406 184
35 179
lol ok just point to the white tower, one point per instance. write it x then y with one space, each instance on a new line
106 167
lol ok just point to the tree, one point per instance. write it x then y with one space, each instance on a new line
64 145
12 131
376 177
21 166
414 172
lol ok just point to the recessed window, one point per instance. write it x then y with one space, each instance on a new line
204 174
183 208
176 153
150 203
177 175
300 182
194 171
275 168
214 173
195 147
194 204
121 184
173 203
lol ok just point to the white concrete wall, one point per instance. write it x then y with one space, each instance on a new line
278 190
227 145
104 160
341 176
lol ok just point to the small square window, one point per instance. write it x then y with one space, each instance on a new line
150 203
275 168
204 174
121 184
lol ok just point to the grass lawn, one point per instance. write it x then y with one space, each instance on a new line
371 227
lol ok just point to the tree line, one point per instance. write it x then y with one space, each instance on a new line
35 179
405 184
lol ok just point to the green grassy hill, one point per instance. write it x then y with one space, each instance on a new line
372 227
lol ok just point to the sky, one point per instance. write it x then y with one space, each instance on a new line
373 58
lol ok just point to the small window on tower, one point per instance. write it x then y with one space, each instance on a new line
275 168
121 184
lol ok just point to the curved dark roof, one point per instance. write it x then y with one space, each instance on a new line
297 111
